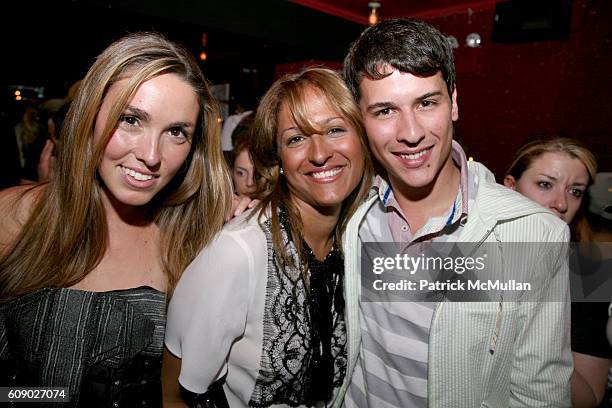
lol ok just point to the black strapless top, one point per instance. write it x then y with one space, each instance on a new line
105 347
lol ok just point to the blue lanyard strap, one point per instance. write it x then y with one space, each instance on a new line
386 196
450 219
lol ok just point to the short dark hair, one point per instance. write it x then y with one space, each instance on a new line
242 132
406 44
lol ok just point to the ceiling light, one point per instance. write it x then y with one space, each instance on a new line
373 18
473 40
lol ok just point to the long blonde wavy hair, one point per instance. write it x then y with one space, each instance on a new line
66 235
272 188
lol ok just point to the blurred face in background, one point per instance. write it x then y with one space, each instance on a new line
554 180
242 174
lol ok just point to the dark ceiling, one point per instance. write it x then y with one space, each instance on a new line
53 43
357 10
529 87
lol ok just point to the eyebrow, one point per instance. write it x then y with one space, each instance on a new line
145 116
555 179
326 121
429 95
288 129
421 98
323 122
181 124
378 105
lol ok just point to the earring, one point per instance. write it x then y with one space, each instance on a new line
282 171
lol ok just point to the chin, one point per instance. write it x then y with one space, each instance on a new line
134 200
136 203
329 203
415 180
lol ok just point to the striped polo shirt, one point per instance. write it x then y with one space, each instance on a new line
391 370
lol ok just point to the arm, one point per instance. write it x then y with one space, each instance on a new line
542 361
591 351
171 367
207 313
46 162
589 380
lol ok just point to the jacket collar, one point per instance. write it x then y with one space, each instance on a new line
495 203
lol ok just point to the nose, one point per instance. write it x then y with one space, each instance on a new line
558 202
249 180
319 151
148 150
410 129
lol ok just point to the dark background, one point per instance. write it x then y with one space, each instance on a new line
53 43
506 92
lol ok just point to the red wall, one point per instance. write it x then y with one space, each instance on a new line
509 92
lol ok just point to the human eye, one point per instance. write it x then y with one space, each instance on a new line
544 185
336 130
179 133
576 192
294 140
428 103
129 120
383 112
239 172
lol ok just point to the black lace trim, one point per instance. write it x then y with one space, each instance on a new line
304 336
325 296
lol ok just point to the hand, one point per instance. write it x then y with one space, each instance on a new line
239 205
46 161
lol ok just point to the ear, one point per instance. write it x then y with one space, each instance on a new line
455 109
510 182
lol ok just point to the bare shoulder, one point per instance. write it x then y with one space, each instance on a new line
16 205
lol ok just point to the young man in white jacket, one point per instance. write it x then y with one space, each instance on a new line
443 353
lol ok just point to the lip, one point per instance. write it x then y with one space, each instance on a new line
133 182
334 173
422 156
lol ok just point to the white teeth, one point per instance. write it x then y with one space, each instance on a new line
327 173
138 176
414 156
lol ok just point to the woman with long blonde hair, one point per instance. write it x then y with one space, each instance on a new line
86 260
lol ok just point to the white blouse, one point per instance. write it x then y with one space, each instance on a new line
218 306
